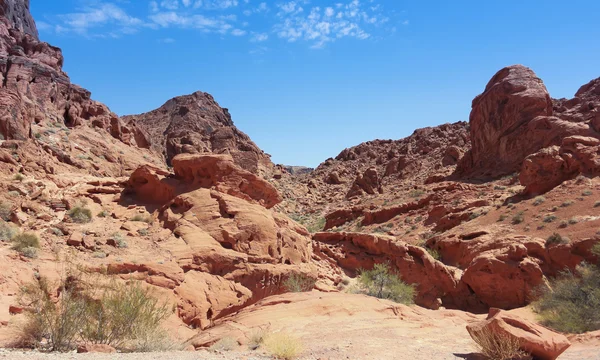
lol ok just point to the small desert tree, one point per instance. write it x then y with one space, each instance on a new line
382 283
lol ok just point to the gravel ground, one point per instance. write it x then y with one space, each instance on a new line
179 355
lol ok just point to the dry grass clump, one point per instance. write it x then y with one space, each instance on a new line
225 344
80 214
7 231
283 346
299 283
256 338
498 346
5 211
143 218
26 244
539 200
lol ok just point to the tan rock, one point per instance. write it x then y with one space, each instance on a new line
536 340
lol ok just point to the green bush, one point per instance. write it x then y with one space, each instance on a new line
80 214
383 284
299 283
572 304
549 218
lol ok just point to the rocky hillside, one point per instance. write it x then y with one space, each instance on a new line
462 211
195 124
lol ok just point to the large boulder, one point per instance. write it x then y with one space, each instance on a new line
511 119
534 339
220 171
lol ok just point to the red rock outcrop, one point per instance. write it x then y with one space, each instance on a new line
510 120
534 339
195 124
207 171
515 118
230 250
551 166
436 284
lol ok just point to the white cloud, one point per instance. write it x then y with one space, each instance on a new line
290 20
321 26
99 16
259 37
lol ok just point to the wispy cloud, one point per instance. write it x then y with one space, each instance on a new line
259 21
320 26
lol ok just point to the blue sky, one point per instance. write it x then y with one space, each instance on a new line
308 78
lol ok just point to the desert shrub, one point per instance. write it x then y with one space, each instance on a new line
317 225
142 218
434 254
597 204
416 193
495 346
573 221
7 231
124 316
518 218
283 346
549 218
502 217
80 214
57 231
539 200
143 232
19 177
29 252
103 214
25 240
556 239
256 338
572 303
99 255
596 249
587 193
59 323
567 203
5 211
299 283
119 240
383 284
225 344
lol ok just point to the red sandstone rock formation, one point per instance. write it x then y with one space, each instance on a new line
194 124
